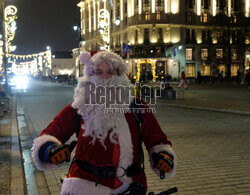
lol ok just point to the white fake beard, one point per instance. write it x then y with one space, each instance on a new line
97 123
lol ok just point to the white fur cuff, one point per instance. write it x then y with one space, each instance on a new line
77 186
168 149
38 142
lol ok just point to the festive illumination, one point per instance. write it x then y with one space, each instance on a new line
148 61
34 63
10 26
104 24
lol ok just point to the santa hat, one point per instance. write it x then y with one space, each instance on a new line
91 61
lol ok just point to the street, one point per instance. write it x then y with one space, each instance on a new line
213 148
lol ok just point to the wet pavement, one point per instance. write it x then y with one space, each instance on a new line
213 148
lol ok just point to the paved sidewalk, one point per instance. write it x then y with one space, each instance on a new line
11 169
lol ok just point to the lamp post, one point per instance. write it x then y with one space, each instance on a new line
80 42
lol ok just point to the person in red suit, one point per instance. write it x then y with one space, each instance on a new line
108 157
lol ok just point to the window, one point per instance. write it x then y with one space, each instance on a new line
136 36
235 19
205 70
187 35
146 1
205 3
219 53
118 11
193 36
190 4
160 36
158 3
147 16
190 70
204 54
234 54
204 18
158 15
146 35
219 36
234 69
188 17
189 54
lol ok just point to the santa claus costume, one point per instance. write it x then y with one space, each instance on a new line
104 139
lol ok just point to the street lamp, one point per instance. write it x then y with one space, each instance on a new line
78 29
80 42
117 21
48 47
75 28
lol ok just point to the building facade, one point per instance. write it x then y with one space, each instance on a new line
170 36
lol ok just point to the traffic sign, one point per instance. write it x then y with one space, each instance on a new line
126 48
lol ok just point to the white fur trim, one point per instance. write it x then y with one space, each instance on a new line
38 142
85 57
77 186
113 59
167 148
126 149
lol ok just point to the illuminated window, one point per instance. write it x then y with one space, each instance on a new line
204 18
219 53
204 54
234 54
235 19
158 15
189 54
147 16
190 70
205 70
234 69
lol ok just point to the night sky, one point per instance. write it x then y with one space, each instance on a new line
45 22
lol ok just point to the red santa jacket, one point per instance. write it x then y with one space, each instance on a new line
66 122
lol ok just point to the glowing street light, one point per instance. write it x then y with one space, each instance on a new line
75 28
48 48
117 21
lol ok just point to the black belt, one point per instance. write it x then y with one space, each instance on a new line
108 172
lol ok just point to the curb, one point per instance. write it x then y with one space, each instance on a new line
210 109
17 183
